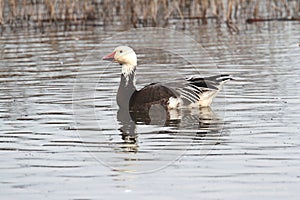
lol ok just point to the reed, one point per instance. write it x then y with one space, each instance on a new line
137 13
1 11
13 10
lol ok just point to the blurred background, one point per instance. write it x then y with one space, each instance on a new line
143 13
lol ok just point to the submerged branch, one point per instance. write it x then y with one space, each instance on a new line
252 20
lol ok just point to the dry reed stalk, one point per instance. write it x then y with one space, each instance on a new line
229 10
182 4
59 11
197 8
118 7
222 7
213 7
30 10
125 14
188 7
268 6
287 9
153 10
66 9
230 25
141 11
170 11
296 8
164 9
133 16
192 9
72 15
144 7
217 8
236 8
50 6
276 8
1 11
23 9
204 7
80 10
243 8
13 10
174 6
36 12
89 11
107 11
71 12
256 10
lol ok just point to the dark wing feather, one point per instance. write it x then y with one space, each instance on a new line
154 93
196 86
215 79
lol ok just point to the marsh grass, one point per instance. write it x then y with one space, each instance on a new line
141 13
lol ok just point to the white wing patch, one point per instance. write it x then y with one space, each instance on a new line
174 102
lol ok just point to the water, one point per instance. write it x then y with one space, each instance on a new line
61 135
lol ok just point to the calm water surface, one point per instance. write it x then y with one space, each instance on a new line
62 136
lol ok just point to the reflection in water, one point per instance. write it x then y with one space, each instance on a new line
128 128
41 106
197 122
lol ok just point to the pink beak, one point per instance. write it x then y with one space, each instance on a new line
109 57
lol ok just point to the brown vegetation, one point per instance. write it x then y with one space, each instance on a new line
143 12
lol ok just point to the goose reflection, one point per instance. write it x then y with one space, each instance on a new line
190 122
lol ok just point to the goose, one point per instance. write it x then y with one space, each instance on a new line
197 91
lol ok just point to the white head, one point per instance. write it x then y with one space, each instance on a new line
126 57
123 55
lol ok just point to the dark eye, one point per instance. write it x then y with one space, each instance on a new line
121 51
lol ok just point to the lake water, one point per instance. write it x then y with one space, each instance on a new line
62 136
